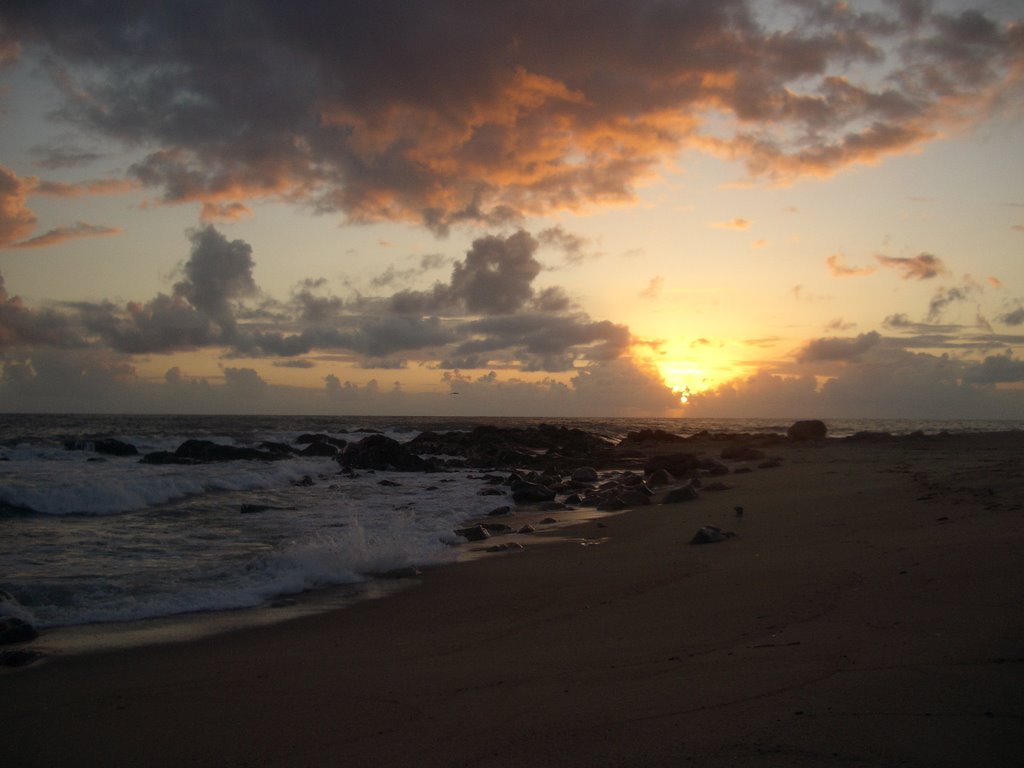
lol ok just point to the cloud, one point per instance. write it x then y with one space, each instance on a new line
16 220
233 211
653 289
997 369
943 298
575 247
924 266
837 348
1014 317
736 224
497 111
62 234
838 268
495 278
217 274
883 382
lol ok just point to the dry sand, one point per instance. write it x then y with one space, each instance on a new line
869 612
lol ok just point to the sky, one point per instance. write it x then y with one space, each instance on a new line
793 209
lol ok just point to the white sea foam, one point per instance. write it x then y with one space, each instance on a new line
59 487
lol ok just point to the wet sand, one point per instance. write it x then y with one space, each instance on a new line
867 613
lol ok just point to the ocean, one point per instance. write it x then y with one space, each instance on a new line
94 539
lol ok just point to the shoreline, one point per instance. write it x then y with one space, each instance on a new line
866 613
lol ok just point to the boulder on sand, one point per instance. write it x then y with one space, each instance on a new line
811 429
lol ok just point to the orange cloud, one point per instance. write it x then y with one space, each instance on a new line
737 224
839 269
16 220
224 212
81 188
62 234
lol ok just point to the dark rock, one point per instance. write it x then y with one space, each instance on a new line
14 630
388 483
633 497
382 453
573 499
526 529
683 493
584 475
660 478
273 447
711 534
252 509
107 445
305 482
612 504
525 492
509 546
205 451
322 439
677 464
490 492
500 511
552 506
713 467
811 429
320 449
496 528
473 533
548 521
651 436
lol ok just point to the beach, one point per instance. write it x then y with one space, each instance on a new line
866 613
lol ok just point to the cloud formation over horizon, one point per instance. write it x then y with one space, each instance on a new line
495 111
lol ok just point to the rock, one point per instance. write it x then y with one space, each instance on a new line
389 483
660 478
770 464
713 467
320 449
612 504
548 521
651 436
584 475
108 445
496 528
524 492
683 493
812 429
634 497
490 492
510 546
678 464
382 453
473 533
500 511
273 447
710 534
552 506
14 630
205 451
526 529
322 439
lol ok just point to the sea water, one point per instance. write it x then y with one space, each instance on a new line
88 538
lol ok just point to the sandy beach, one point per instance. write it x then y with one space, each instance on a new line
868 612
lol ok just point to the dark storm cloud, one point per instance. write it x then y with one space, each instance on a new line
838 348
1015 317
496 277
24 326
442 111
217 274
997 369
